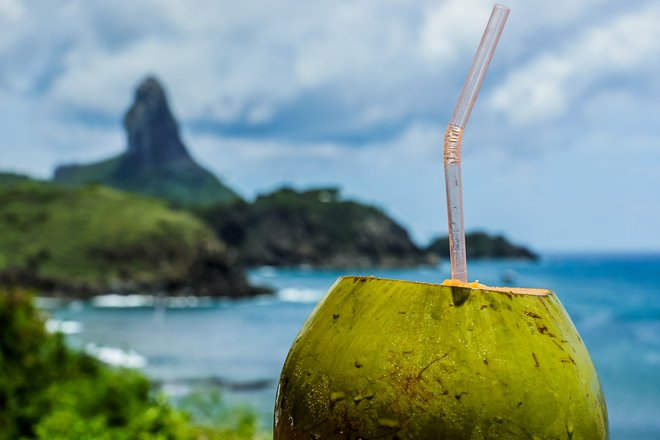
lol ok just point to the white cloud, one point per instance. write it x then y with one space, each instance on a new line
452 27
11 9
555 82
232 62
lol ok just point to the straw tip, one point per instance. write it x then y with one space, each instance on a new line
501 7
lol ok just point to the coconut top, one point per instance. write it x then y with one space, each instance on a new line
513 290
475 285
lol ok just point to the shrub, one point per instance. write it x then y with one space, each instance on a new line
49 391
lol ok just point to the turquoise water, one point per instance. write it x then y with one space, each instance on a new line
614 302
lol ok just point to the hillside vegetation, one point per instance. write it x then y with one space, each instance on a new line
181 185
315 227
10 179
94 239
479 244
50 392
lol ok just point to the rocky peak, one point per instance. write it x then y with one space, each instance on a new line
156 162
153 133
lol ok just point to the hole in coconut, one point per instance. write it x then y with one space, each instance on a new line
454 283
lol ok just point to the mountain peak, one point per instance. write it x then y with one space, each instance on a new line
153 133
156 161
149 89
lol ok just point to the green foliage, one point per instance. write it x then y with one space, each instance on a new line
482 245
181 186
114 405
317 227
209 410
10 179
49 392
95 235
321 210
80 175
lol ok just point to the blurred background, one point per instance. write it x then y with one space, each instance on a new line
160 157
359 95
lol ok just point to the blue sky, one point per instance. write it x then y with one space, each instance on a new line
562 151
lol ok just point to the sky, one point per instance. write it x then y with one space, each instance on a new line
562 151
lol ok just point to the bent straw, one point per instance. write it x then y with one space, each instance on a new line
454 134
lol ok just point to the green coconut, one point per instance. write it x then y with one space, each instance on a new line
386 359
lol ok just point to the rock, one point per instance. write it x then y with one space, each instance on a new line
315 228
482 245
154 142
156 162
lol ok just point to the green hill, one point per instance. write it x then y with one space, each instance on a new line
316 227
182 185
11 179
156 162
94 239
482 245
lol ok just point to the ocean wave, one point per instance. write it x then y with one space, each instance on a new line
116 356
186 302
294 294
136 301
64 327
123 301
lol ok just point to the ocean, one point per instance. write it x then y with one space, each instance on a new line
240 346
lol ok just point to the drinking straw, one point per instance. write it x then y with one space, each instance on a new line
454 134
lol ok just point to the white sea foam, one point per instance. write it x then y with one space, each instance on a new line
116 356
123 301
134 301
65 327
293 294
185 302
